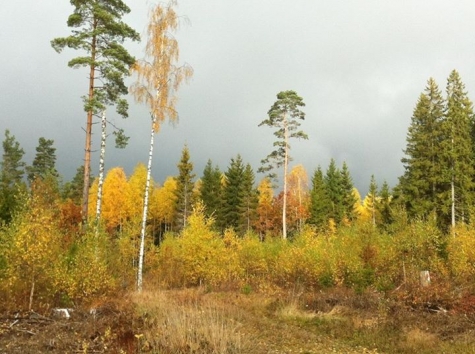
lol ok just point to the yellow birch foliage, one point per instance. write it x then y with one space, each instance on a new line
159 78
162 203
114 198
298 199
92 200
200 255
136 192
34 249
264 224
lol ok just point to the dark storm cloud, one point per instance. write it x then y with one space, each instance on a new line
359 66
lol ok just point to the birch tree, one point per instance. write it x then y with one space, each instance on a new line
158 79
284 115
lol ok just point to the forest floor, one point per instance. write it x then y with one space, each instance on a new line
200 321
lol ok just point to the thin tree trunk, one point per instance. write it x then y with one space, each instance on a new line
101 169
32 291
87 148
286 162
145 209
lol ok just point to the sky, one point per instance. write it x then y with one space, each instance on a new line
359 66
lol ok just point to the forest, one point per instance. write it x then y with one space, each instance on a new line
277 229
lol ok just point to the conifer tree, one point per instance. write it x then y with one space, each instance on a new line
284 115
349 199
184 189
334 192
44 161
249 202
458 150
372 199
384 204
423 178
210 189
319 200
98 30
233 195
11 176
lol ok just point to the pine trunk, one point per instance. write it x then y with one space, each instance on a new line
87 148
145 209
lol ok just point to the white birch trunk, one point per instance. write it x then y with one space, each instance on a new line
145 209
286 162
101 169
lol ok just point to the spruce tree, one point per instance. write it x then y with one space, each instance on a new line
98 30
372 199
233 196
384 204
319 201
423 181
44 163
349 199
250 200
210 189
458 151
184 189
334 192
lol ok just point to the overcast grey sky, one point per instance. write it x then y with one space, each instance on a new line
359 65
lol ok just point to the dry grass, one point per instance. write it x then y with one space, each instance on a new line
186 322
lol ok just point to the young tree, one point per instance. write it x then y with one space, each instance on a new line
371 199
158 78
11 177
44 161
334 192
284 115
265 193
384 204
349 199
184 189
298 197
210 189
99 31
319 200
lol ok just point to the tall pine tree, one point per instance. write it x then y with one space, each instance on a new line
210 189
98 30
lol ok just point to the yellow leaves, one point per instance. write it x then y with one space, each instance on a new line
157 76
114 198
162 203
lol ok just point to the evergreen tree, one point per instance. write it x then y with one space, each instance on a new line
384 204
458 151
233 196
184 189
99 31
284 115
250 199
334 192
44 162
319 200
11 178
349 199
73 189
372 199
210 189
423 177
